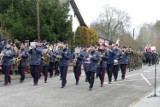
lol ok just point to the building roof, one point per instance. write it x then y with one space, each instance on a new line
103 36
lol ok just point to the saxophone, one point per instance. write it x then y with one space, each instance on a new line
19 58
75 59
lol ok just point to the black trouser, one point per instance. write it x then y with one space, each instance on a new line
90 78
45 72
115 71
109 71
35 72
51 68
101 74
64 70
123 70
6 71
21 72
77 72
85 72
56 68
150 62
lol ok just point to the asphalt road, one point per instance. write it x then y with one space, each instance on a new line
123 93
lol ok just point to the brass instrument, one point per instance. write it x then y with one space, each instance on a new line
100 53
77 51
19 58
45 56
75 59
123 51
74 62
1 60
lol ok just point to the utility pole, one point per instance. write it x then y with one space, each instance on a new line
38 20
133 32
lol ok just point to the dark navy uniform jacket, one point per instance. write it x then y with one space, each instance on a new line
104 57
93 63
111 55
36 55
80 57
85 61
24 57
8 56
117 56
52 54
66 56
123 58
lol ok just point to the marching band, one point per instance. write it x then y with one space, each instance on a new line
41 57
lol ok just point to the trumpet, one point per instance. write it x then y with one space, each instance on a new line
123 51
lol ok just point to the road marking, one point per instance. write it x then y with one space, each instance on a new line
135 79
132 75
105 82
129 85
146 79
151 70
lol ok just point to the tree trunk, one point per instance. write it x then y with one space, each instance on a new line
38 20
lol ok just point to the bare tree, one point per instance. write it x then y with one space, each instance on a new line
112 22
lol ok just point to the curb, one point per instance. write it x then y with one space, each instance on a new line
144 96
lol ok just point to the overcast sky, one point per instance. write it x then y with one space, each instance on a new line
140 11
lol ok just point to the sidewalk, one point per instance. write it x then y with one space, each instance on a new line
149 102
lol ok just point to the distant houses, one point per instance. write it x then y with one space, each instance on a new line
102 39
77 21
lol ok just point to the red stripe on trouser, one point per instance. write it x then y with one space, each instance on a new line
8 74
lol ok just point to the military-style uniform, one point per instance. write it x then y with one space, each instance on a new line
116 64
123 61
91 67
45 63
35 63
7 63
110 63
23 63
102 66
52 62
56 62
63 64
77 62
85 63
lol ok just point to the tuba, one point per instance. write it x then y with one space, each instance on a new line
45 56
